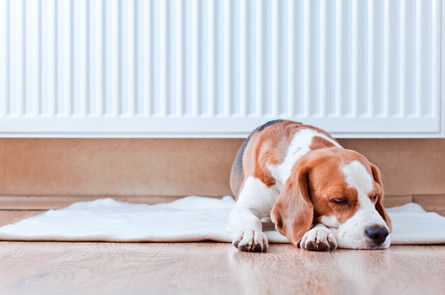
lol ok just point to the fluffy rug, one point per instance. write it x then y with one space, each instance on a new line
188 219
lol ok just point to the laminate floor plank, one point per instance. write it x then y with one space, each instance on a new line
215 268
212 268
11 216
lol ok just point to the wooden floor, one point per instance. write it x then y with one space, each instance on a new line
212 268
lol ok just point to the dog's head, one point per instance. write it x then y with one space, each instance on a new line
339 188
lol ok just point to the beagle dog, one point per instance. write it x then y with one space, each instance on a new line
318 194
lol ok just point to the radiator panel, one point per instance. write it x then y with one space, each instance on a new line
219 68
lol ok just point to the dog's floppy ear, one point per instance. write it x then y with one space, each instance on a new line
293 212
379 205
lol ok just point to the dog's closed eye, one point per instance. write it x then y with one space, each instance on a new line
340 201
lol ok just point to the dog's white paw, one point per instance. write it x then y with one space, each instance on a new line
318 239
251 240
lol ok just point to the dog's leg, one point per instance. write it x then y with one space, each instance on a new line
319 238
255 202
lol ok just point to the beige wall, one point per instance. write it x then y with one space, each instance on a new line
116 166
176 167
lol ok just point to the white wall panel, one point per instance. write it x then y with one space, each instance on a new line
218 68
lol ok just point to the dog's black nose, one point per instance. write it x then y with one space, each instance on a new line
377 234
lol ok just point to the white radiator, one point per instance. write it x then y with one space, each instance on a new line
215 68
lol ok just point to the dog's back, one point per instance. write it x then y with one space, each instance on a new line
276 134
237 173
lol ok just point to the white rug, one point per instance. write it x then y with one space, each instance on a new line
188 219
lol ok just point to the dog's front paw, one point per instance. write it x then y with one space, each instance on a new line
318 239
251 241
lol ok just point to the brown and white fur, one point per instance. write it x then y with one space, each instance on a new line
319 195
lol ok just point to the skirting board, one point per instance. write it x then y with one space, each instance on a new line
434 203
